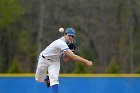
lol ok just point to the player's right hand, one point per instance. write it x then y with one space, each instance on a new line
89 63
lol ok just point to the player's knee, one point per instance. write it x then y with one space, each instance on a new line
39 80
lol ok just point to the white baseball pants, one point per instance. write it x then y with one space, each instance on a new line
45 65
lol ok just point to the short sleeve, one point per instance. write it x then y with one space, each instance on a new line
63 47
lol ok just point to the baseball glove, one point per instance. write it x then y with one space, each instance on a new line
72 46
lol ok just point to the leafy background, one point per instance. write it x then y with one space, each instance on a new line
107 33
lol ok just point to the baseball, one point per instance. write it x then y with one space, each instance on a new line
61 30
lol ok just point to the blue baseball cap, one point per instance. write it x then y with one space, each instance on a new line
70 31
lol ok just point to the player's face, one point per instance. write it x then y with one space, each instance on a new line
69 38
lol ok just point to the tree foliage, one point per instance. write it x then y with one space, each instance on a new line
10 11
107 32
15 67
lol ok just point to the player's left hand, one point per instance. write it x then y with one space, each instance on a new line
72 46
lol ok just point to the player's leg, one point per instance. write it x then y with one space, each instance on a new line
55 88
40 74
53 72
41 69
47 80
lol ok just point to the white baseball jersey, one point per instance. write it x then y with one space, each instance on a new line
49 60
55 49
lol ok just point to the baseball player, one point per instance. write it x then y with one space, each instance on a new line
49 59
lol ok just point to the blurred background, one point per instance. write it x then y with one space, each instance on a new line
107 33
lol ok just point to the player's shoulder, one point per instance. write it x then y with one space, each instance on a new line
58 42
62 40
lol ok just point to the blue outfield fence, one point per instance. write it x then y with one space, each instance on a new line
72 83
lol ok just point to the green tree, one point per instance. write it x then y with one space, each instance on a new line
113 68
138 70
25 50
15 67
80 68
10 11
10 14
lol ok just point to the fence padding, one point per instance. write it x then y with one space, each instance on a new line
72 85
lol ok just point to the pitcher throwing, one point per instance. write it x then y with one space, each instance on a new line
49 59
